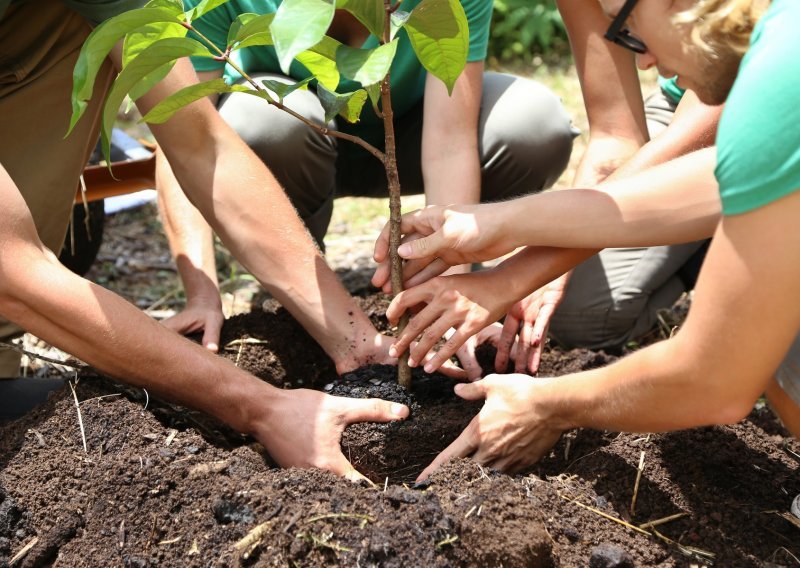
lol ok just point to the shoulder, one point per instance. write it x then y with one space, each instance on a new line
757 141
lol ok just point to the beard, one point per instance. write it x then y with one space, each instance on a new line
719 73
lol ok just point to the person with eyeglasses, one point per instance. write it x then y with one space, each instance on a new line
740 340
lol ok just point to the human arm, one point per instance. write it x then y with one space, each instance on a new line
470 302
299 428
711 372
671 203
693 127
191 242
611 92
247 208
451 168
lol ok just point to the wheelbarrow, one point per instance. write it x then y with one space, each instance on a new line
133 165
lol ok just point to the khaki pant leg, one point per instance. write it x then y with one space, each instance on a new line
39 44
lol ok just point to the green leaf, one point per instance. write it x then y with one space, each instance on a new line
203 8
161 53
174 5
283 90
321 67
99 44
298 26
398 20
164 110
346 105
139 40
439 34
374 92
249 30
368 12
367 66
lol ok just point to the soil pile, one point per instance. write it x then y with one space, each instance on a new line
161 485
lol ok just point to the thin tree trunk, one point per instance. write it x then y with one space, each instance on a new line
393 180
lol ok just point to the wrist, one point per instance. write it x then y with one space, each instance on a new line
248 403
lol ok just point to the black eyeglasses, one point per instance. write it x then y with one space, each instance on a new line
620 34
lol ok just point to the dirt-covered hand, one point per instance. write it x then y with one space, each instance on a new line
466 354
200 314
436 238
525 328
465 302
304 429
510 433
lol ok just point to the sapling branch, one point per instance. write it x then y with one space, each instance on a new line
225 56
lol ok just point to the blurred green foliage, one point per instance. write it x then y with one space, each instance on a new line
523 29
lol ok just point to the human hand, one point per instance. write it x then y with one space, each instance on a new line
509 433
378 351
466 353
525 328
436 238
465 302
303 428
200 314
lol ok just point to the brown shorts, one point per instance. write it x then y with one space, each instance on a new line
39 44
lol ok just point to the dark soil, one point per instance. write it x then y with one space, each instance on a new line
164 486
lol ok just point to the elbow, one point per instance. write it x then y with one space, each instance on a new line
733 410
730 399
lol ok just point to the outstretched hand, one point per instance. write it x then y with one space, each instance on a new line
525 328
466 303
200 314
436 238
510 433
305 428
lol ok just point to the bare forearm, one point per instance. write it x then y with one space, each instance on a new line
533 267
450 160
673 203
248 209
693 127
189 235
116 338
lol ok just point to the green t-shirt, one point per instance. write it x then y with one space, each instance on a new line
93 10
758 140
408 75
671 88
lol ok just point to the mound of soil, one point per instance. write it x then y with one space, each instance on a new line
160 485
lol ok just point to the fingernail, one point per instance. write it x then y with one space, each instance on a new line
398 409
403 250
429 368
411 362
392 352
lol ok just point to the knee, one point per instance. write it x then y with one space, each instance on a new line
272 133
525 128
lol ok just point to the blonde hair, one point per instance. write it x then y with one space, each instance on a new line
723 25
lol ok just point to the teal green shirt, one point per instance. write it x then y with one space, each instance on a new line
758 140
671 88
408 75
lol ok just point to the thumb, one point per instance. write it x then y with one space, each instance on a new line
421 248
374 410
471 391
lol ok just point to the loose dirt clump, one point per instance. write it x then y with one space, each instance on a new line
160 485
